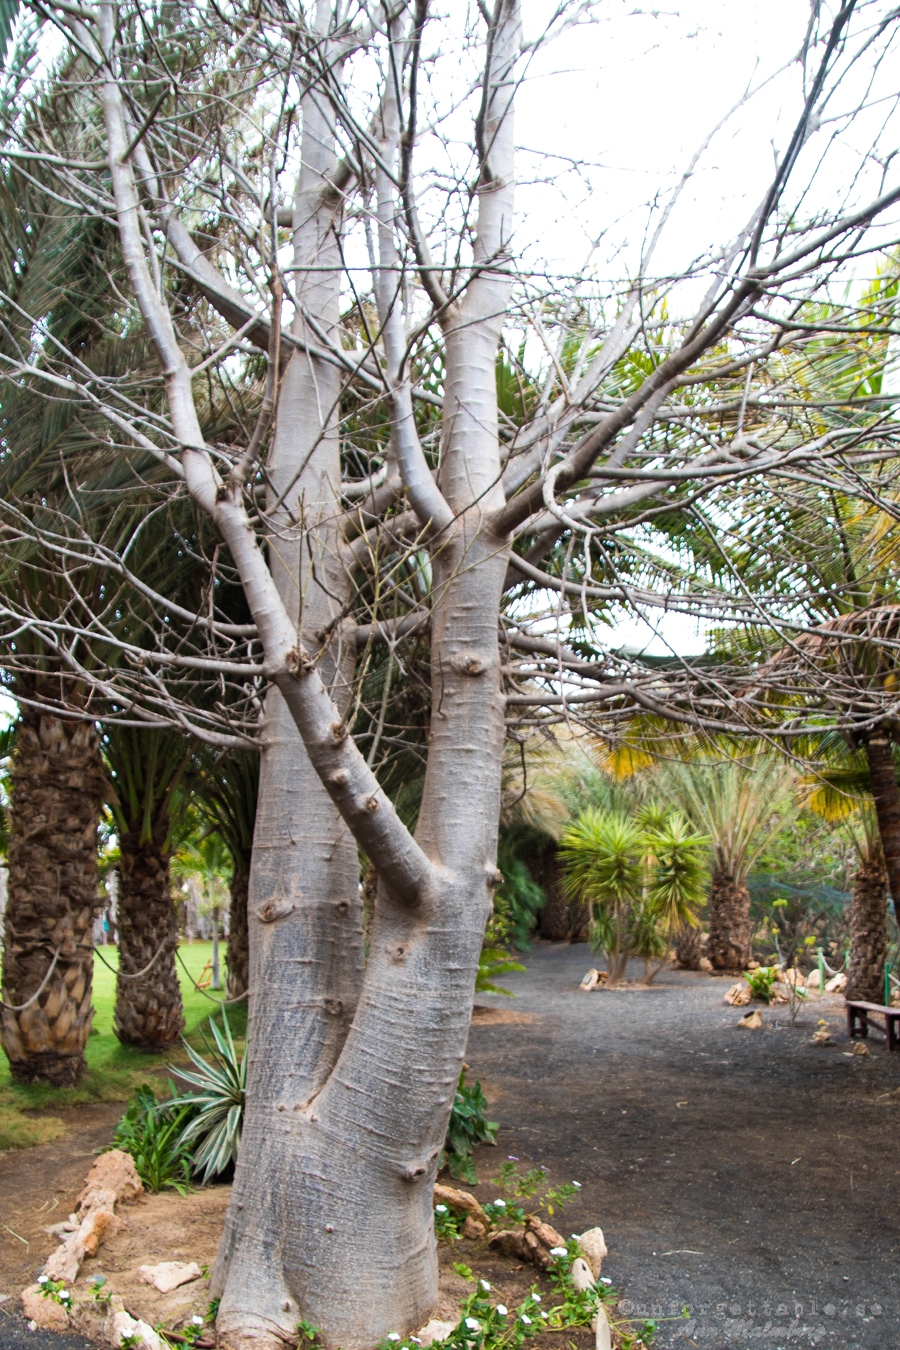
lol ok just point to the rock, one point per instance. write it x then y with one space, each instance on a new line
791 977
65 1262
751 1021
705 964
510 1243
738 995
113 1171
592 1246
821 1037
460 1202
169 1275
435 1331
836 983
582 1278
473 1229
544 1232
590 981
144 1337
46 1313
602 1336
62 1230
860 1048
813 982
753 965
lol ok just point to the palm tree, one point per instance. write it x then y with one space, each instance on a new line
224 791
56 782
868 913
739 805
146 772
204 861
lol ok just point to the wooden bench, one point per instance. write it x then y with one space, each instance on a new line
858 1015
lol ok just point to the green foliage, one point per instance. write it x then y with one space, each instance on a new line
217 1108
447 1225
151 1132
494 961
468 1126
56 1290
761 981
524 1186
308 1335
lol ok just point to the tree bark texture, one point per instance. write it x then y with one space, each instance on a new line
886 796
238 954
868 931
560 920
304 913
56 790
148 1011
729 921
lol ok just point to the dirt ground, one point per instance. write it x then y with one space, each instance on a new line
747 1178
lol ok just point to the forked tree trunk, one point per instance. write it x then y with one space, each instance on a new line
729 922
868 931
148 1010
56 780
886 796
238 955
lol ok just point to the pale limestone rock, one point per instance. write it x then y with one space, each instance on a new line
738 995
602 1335
460 1202
592 1246
582 1278
169 1275
113 1171
590 981
44 1312
836 984
65 1262
473 1229
860 1048
752 1022
813 984
123 1324
435 1331
822 1037
705 964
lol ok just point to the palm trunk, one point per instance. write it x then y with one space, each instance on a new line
868 931
729 921
238 954
56 780
886 796
148 1009
689 947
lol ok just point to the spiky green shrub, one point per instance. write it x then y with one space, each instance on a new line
151 1132
213 1132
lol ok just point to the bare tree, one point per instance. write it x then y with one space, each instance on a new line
366 341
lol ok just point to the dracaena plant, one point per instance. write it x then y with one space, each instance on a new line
214 1130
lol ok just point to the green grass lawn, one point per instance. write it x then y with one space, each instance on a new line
114 1070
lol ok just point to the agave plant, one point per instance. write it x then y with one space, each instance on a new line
214 1130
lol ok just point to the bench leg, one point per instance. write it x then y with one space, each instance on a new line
892 1039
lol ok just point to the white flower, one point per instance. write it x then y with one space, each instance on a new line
43 1279
536 1297
393 1336
577 1185
197 1321
415 1340
472 1324
502 1309
438 1209
485 1286
526 1319
32 1326
543 1314
499 1204
557 1251
604 1280
63 1293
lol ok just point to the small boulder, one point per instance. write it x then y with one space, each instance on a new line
705 964
738 995
592 1246
602 1334
460 1202
510 1243
582 1278
142 1337
113 1171
836 984
590 981
751 1021
473 1229
813 982
45 1312
822 1036
169 1275
860 1048
435 1331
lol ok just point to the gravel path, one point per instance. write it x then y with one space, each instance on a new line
749 1177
